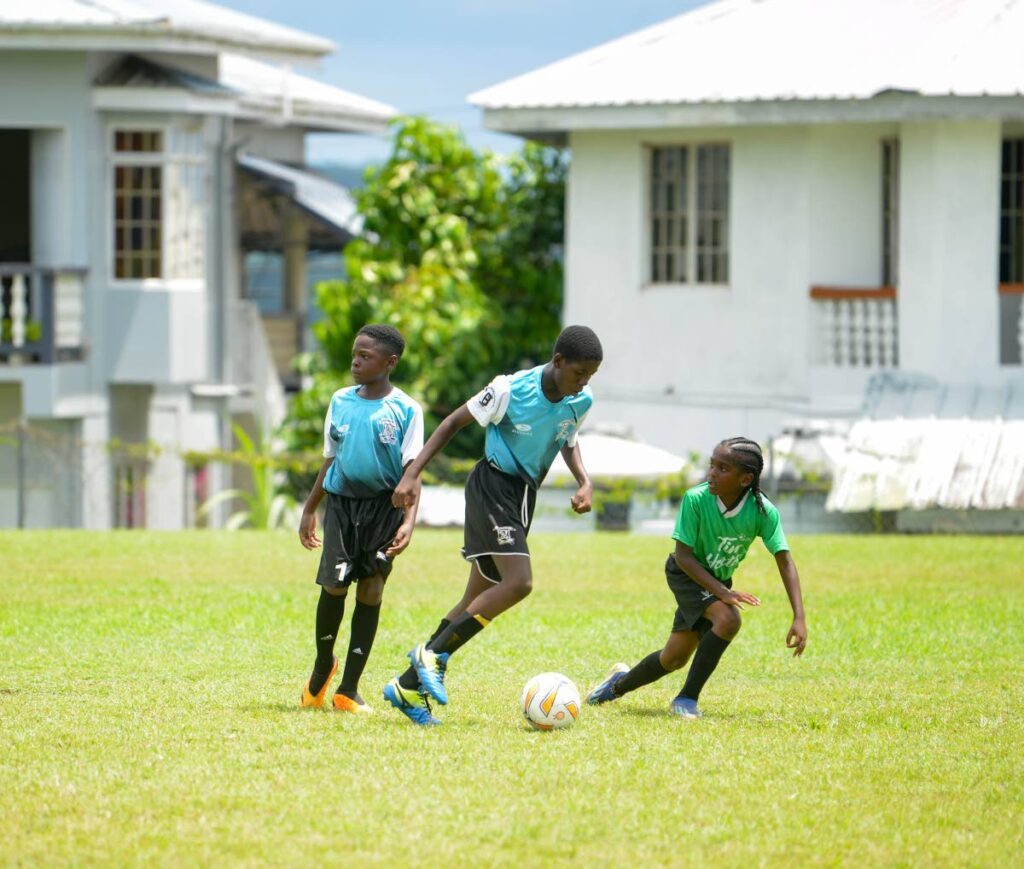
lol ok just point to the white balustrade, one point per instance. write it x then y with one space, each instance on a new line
43 315
856 331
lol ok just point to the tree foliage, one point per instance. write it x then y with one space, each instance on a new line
461 251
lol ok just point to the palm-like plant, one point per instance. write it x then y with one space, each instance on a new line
265 507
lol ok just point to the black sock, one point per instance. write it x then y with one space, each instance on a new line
708 654
440 630
329 610
409 679
647 671
458 633
364 628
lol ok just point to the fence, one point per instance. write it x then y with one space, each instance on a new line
49 476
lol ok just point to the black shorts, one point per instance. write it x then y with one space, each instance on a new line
356 533
691 599
499 510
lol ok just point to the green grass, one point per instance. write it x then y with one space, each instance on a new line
149 684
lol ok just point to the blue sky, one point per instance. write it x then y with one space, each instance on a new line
426 57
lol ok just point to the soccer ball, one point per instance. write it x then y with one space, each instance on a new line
550 701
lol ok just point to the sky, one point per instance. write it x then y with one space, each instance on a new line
427 57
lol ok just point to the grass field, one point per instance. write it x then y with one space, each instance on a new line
149 685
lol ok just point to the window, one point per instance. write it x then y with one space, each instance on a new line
138 201
890 212
689 211
159 201
1011 213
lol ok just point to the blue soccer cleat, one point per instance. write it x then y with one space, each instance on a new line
410 703
685 707
603 692
431 668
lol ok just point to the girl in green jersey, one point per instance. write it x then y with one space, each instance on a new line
718 520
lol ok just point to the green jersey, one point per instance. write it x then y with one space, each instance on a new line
720 537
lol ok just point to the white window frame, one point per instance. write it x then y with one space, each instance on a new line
170 163
691 149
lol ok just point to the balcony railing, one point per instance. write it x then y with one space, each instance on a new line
855 327
1011 324
40 313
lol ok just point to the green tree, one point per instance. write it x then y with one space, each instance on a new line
461 251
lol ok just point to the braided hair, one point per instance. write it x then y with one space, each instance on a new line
747 454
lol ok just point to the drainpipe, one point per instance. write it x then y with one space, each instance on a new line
221 168
21 472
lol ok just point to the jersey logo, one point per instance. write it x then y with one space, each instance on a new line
487 397
564 427
504 533
388 431
338 432
729 554
523 428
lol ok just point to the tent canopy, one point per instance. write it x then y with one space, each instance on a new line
609 456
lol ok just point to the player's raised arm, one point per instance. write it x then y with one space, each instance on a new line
407 491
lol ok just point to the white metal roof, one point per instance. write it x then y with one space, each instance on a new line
42 23
266 89
900 464
608 456
320 197
770 50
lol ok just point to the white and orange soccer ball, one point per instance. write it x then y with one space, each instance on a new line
551 701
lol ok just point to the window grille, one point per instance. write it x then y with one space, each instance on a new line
689 214
159 203
890 212
1011 213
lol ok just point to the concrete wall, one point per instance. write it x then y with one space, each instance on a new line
949 269
686 365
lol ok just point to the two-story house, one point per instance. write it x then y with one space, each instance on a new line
146 147
771 201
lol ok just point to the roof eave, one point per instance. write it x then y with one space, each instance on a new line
311 117
541 122
150 38
162 99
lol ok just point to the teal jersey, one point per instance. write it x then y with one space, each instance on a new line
719 537
371 441
525 431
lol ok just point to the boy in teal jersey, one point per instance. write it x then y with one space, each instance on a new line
372 431
718 520
529 418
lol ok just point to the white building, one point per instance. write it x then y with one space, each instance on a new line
145 147
772 200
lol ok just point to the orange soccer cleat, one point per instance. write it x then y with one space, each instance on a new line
348 704
317 701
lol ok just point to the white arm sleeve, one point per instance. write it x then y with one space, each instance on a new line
571 440
490 403
413 441
330 447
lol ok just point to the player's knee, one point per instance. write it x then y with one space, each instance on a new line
370 591
728 623
520 586
672 661
340 591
